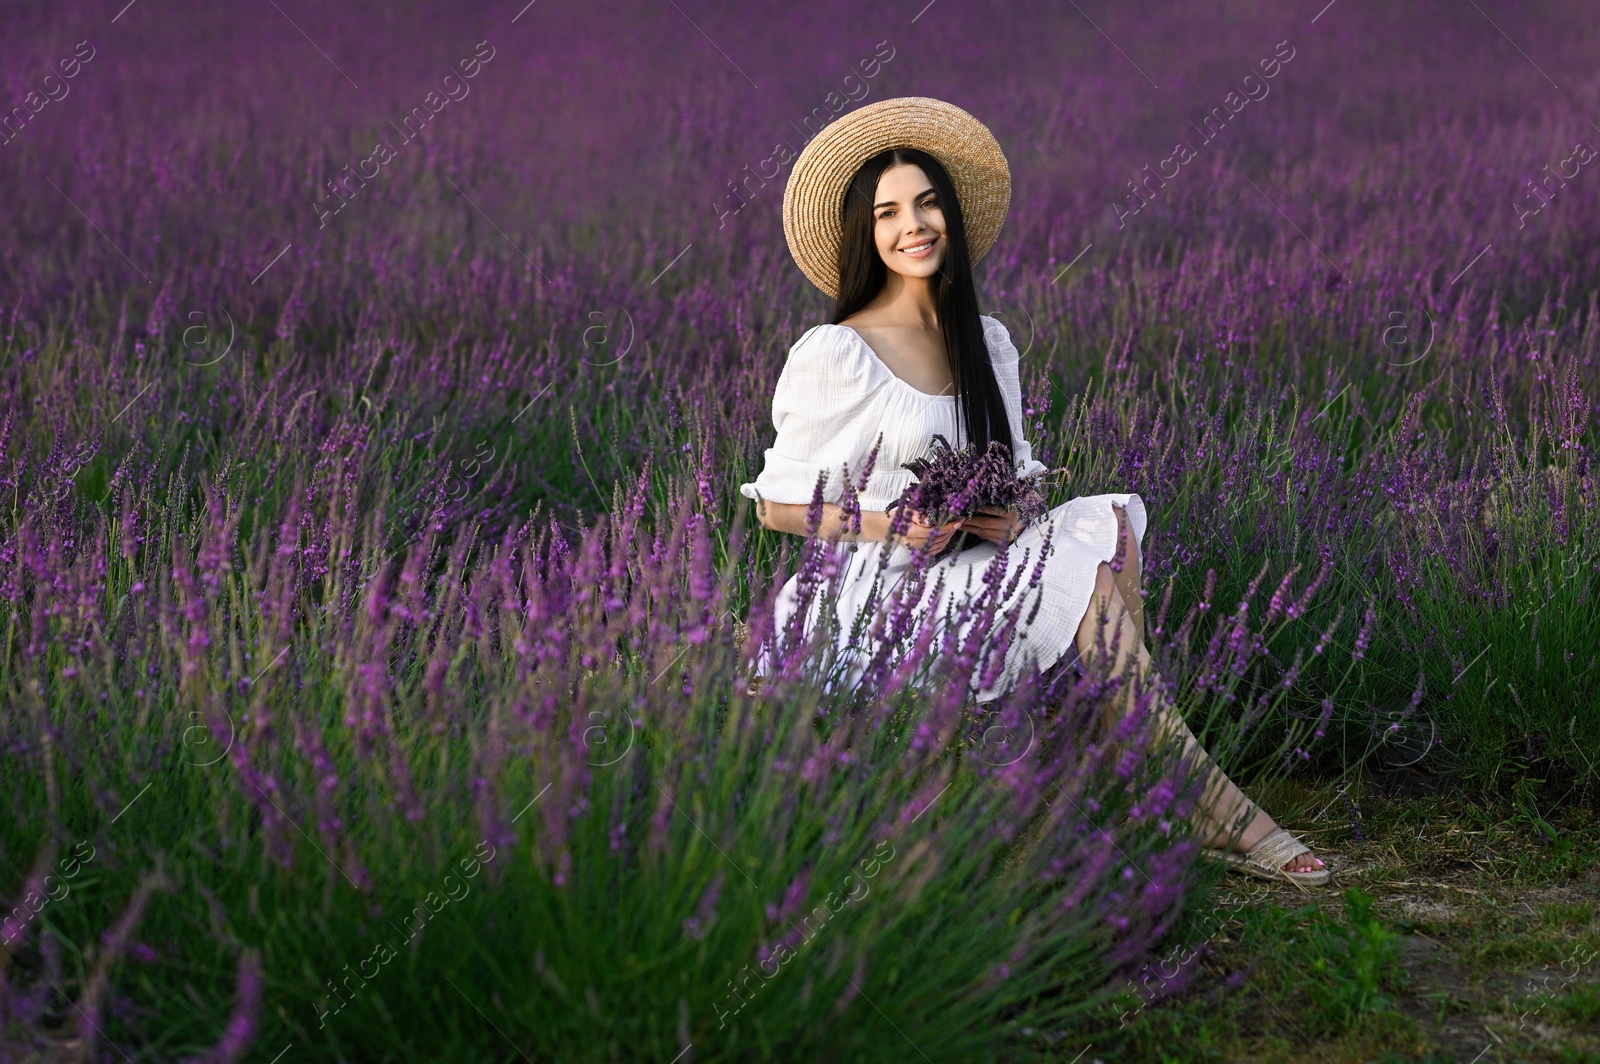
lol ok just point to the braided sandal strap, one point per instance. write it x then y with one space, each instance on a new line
1278 849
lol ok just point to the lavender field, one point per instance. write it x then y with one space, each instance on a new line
376 382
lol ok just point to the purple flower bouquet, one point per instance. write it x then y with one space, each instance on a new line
954 483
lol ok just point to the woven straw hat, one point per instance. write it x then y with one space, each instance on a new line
813 201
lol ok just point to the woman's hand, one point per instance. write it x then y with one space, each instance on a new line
999 527
933 538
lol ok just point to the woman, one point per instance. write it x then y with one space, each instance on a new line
886 210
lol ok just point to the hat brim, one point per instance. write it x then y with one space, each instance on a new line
813 200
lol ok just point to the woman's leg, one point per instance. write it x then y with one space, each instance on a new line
1223 806
1130 582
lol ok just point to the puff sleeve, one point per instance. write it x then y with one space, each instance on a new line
821 409
1004 357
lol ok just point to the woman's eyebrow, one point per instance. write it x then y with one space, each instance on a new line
895 203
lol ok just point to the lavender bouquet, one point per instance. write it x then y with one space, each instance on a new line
953 483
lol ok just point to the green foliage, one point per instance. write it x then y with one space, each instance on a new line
1350 965
1581 1005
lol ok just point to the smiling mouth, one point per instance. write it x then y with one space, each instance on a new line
921 250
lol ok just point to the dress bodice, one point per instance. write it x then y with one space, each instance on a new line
835 396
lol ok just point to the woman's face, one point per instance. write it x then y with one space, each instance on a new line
909 230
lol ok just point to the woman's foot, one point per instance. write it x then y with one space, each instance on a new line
1263 827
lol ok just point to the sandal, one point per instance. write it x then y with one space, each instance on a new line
1267 859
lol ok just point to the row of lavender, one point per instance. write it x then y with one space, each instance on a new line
294 754
294 347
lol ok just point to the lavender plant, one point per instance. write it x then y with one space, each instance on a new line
531 772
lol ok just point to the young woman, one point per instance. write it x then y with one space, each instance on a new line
885 211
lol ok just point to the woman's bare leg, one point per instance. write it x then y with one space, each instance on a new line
1130 582
1222 805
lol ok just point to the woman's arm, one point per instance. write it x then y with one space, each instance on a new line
1004 357
791 517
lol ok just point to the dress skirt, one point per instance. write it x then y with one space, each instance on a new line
1082 534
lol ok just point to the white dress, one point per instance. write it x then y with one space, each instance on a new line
833 398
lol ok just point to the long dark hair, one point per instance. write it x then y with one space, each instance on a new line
862 275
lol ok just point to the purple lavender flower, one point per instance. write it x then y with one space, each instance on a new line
954 483
240 1032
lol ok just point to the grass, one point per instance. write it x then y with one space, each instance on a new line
1479 938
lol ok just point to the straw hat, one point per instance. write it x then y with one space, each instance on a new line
813 201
